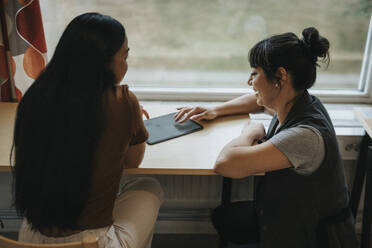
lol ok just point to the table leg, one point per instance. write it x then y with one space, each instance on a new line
359 175
367 210
226 190
225 199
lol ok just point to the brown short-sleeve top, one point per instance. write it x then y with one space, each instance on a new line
123 127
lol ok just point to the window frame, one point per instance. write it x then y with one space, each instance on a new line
361 95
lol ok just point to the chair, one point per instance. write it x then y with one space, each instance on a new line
89 241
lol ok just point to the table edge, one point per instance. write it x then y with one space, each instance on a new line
166 171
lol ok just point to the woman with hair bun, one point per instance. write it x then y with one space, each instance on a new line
302 200
76 131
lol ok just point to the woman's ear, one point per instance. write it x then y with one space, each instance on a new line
282 75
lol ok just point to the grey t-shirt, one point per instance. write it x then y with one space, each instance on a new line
303 146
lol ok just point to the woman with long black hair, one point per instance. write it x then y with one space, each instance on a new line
76 130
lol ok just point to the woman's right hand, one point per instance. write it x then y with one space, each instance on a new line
254 129
194 113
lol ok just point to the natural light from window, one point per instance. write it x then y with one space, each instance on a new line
204 43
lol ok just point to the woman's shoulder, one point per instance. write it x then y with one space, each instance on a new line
123 93
118 100
119 95
303 145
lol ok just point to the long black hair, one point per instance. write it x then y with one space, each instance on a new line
59 122
298 56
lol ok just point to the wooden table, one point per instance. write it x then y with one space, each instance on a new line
364 170
7 117
192 154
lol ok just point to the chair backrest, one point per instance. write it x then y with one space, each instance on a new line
89 241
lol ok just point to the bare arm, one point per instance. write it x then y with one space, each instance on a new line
244 104
134 156
243 157
136 150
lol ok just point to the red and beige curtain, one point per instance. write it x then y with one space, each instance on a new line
22 47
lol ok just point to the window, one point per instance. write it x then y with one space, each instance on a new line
192 49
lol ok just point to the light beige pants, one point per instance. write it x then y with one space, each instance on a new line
135 213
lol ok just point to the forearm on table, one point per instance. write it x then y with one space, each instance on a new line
228 152
242 105
231 159
242 140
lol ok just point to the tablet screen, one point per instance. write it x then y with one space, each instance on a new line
164 128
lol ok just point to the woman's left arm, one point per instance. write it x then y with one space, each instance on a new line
243 157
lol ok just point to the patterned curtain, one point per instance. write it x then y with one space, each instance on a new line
22 47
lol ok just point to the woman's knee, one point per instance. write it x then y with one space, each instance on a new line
147 184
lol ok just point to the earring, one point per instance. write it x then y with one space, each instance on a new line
277 85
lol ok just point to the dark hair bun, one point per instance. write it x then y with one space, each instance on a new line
317 45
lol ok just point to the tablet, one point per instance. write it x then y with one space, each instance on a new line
164 128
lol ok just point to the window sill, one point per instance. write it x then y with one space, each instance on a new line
224 94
